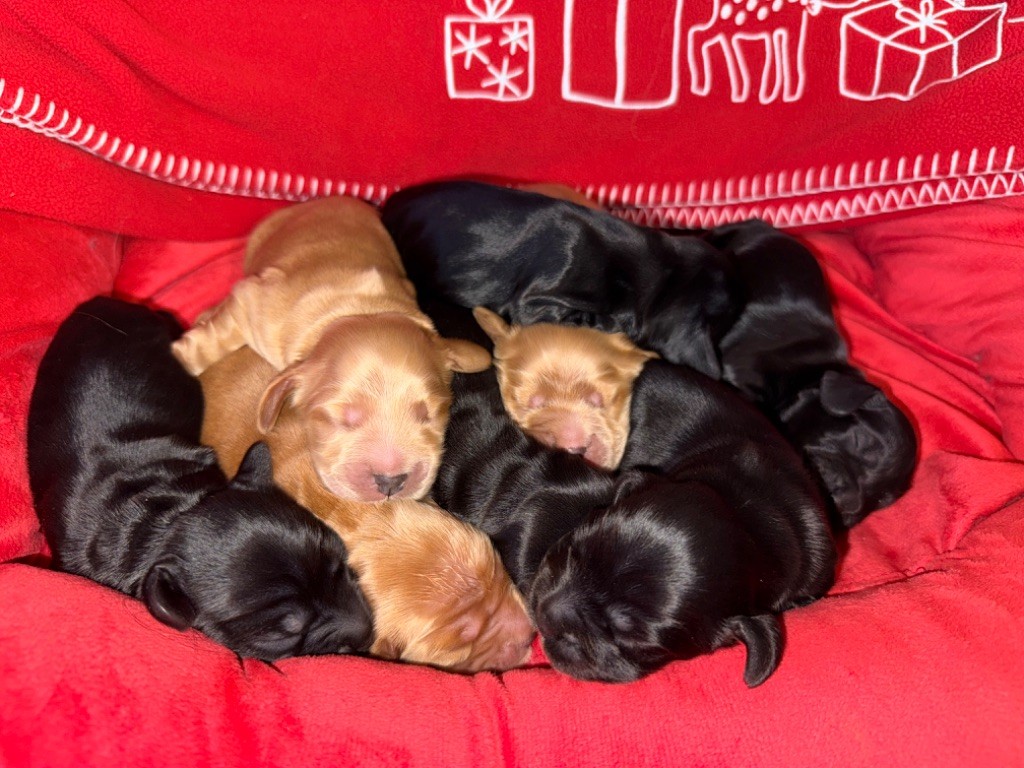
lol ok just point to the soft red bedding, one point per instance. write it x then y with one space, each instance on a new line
186 122
914 659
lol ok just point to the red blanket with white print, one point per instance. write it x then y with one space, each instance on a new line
189 119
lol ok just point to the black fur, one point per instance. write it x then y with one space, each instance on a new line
715 527
533 259
745 303
785 352
733 532
127 497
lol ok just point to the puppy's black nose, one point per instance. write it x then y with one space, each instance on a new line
389 485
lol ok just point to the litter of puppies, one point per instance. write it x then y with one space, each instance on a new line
655 467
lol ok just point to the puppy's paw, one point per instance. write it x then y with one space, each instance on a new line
189 352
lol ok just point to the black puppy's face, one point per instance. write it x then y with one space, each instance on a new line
861 444
608 597
254 571
659 575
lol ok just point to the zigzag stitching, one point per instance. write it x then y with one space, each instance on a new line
837 208
708 202
222 178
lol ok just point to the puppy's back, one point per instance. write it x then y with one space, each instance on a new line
536 259
110 406
693 429
344 229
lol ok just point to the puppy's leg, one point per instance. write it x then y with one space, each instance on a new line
219 332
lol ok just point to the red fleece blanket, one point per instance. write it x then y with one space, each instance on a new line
190 120
673 111
913 659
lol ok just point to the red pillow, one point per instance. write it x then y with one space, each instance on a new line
184 120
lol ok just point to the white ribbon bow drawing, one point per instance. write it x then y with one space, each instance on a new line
922 20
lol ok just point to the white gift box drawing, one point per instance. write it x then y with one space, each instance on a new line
489 53
892 50
622 54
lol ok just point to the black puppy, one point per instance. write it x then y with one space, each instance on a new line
785 352
492 475
533 259
127 497
625 575
733 532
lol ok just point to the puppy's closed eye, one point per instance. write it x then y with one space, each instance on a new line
352 416
536 401
293 623
620 619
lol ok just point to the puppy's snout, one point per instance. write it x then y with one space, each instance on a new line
358 636
390 485
570 436
555 615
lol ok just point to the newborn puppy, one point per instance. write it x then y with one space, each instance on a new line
785 352
733 533
567 387
327 302
536 259
127 497
438 590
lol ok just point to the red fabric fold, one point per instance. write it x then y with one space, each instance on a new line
680 113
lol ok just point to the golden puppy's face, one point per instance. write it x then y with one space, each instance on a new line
567 387
439 591
373 398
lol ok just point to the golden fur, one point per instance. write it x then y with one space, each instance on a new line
326 301
567 387
438 590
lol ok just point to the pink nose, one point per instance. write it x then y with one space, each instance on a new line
572 437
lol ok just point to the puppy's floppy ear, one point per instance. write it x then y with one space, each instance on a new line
274 396
843 393
166 599
256 470
464 356
492 324
763 637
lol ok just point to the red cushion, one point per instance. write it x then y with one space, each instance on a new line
174 119
912 660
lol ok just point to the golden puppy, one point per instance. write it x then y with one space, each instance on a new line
438 590
326 301
567 387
